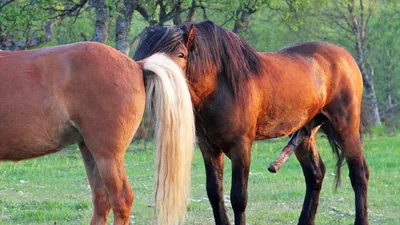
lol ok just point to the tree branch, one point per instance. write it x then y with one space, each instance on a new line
73 11
349 23
191 12
5 2
382 113
362 22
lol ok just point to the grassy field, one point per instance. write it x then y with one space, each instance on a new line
54 189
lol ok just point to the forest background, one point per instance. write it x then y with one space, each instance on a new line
369 29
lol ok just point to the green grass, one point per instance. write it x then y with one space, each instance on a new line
54 189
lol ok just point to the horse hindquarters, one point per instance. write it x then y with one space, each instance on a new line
106 139
107 105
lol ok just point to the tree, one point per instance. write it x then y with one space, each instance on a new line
346 22
123 25
383 52
24 24
101 25
358 23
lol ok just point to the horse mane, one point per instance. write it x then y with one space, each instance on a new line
158 39
215 49
223 50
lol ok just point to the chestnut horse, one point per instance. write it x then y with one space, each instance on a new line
91 94
240 95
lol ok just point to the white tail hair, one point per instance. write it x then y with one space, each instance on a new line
175 137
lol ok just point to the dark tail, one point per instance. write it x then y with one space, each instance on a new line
336 148
330 132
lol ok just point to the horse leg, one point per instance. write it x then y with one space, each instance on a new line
214 164
240 156
110 167
345 124
358 173
314 172
101 204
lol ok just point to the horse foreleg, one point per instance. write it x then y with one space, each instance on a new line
214 164
314 172
240 157
100 198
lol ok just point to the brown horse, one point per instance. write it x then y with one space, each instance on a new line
241 95
93 95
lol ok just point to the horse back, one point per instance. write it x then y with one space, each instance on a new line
299 81
337 65
50 97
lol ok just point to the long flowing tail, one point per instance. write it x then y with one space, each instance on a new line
175 137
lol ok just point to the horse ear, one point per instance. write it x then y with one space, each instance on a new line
190 37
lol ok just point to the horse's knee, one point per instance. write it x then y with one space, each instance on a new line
100 196
122 202
214 193
319 177
314 178
239 200
366 169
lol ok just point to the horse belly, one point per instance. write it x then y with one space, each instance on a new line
33 130
282 120
291 110
36 144
278 129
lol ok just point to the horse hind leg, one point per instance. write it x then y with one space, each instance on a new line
109 159
344 124
314 172
100 197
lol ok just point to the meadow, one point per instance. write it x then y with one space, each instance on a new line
54 189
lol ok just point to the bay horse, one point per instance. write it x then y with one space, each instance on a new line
91 94
240 95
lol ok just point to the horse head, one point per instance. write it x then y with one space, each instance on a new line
189 51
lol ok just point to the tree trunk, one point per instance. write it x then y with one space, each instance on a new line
370 96
389 114
359 28
191 12
101 26
177 14
368 81
8 43
123 26
242 21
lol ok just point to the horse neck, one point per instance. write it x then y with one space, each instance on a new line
201 90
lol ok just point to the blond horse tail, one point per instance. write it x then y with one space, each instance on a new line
175 137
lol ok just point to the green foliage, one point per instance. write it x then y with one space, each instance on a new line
273 25
384 48
22 18
379 130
